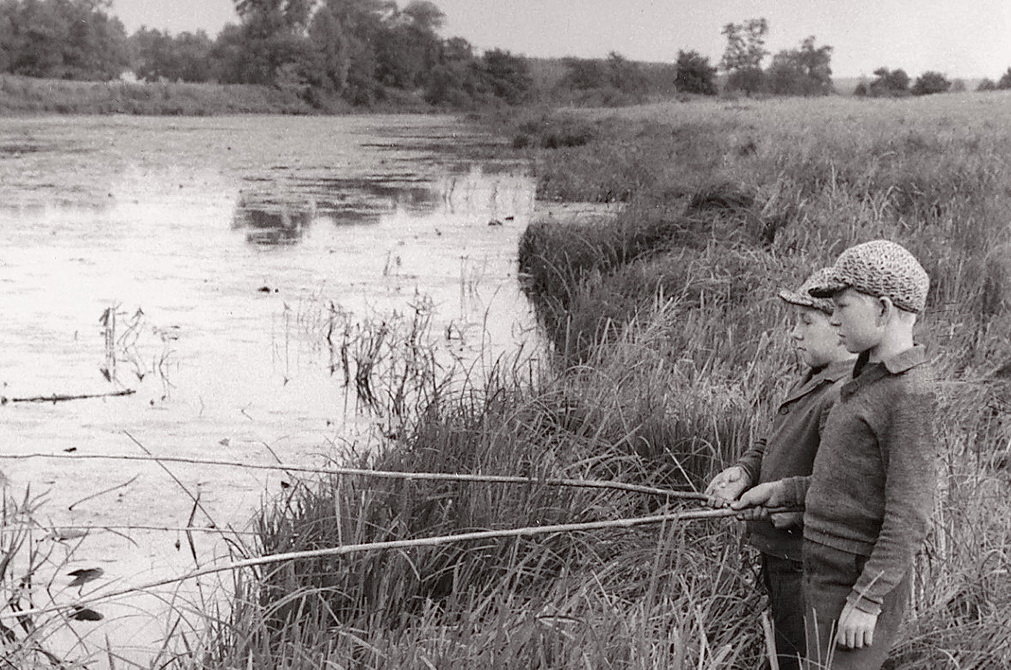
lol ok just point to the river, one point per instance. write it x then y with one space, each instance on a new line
200 263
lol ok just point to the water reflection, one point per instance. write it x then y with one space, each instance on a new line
271 219
273 225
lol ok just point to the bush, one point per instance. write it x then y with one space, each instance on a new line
929 83
695 74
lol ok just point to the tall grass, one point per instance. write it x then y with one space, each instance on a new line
668 355
627 599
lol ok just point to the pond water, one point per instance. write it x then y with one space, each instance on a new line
201 263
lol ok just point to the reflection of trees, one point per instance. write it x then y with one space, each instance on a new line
270 220
365 199
271 224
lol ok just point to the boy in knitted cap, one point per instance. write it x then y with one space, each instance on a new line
871 491
789 451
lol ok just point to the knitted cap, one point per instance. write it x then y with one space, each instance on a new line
802 296
880 268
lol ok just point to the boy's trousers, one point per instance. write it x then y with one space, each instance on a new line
783 579
829 576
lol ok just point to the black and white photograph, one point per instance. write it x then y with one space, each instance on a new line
468 335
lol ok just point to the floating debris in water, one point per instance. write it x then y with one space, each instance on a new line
84 614
85 575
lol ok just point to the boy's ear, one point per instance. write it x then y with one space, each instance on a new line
885 308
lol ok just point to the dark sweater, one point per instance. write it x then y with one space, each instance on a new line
873 483
789 450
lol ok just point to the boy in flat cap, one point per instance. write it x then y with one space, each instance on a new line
788 451
869 497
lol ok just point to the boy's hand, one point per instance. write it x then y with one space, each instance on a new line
755 502
727 486
856 628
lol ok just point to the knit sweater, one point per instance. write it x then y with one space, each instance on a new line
789 449
872 487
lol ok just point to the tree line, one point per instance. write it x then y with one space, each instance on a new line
356 52
362 52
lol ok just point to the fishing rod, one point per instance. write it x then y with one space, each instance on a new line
344 550
381 474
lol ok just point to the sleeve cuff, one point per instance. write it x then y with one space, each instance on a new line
863 604
749 471
794 491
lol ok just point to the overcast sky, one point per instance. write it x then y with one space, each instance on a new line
957 37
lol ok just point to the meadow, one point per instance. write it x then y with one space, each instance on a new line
668 353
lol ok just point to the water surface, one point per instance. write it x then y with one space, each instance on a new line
199 263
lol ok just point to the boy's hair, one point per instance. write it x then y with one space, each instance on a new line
882 269
802 296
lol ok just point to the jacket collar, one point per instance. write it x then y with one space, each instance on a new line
829 374
907 359
864 373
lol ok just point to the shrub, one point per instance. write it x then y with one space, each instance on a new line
929 83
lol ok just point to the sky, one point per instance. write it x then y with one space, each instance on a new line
955 37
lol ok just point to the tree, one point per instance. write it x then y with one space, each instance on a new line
331 51
409 47
157 55
584 74
270 46
889 82
742 59
424 15
802 71
506 76
293 15
987 85
1005 80
929 83
625 75
694 74
64 39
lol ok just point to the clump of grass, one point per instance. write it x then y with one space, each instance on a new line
553 132
29 559
554 601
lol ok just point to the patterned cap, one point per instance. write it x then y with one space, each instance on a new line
802 295
880 268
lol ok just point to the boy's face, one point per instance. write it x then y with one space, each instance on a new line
858 319
816 340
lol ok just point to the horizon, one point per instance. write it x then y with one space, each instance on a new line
931 35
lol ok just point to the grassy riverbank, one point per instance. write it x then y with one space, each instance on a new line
670 353
26 95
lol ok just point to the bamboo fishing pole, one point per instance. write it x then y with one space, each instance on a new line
382 474
380 546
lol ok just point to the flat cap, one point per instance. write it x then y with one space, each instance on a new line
881 268
802 295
